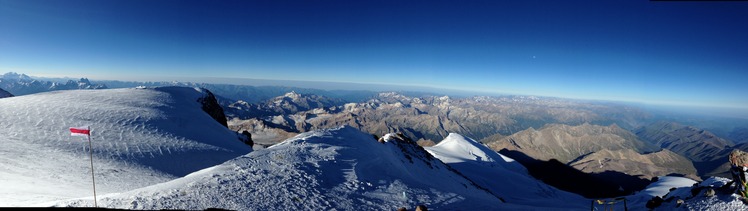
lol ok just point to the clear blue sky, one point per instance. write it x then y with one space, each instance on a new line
691 53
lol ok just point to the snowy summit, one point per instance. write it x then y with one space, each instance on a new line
140 137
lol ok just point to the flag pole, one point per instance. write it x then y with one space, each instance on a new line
90 155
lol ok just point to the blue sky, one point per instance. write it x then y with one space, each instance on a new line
687 53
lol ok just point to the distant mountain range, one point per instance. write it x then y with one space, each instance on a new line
21 84
619 146
431 118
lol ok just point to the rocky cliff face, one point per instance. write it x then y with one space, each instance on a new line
210 105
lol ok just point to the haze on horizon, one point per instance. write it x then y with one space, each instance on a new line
674 53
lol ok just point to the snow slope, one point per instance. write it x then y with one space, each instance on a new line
140 137
340 168
501 175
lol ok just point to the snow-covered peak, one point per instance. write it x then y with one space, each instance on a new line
458 148
292 95
16 76
501 175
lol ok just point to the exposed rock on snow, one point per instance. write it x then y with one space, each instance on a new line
210 105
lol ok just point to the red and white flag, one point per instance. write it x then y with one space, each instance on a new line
80 131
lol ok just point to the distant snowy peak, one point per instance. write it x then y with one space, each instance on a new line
21 84
82 83
293 95
16 76
293 102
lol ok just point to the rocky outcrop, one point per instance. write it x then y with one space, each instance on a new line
210 105
262 133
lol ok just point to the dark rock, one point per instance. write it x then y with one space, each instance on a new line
210 105
247 139
421 208
709 192
654 202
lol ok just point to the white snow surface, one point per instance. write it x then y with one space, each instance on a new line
503 176
140 137
340 168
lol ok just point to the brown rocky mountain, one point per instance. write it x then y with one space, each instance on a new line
707 151
567 143
646 166
693 143
431 118
720 166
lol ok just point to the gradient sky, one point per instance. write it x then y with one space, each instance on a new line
687 53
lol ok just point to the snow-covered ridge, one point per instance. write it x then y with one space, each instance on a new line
340 168
502 176
140 137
